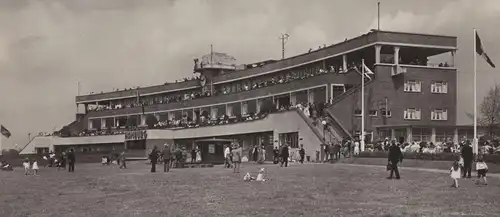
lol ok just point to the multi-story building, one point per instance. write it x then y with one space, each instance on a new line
408 98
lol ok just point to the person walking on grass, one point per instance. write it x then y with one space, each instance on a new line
395 157
35 168
455 174
26 165
167 158
236 152
123 160
302 153
284 155
71 161
153 156
482 169
467 155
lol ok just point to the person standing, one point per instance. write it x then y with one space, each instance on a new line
284 155
302 153
71 160
227 153
123 160
193 155
236 153
153 156
395 157
276 153
167 158
467 155
62 161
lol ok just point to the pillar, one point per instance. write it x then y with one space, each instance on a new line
143 120
453 58
157 116
91 124
393 133
409 135
396 55
344 63
433 135
455 136
378 48
257 106
293 99
310 96
213 112
114 123
103 123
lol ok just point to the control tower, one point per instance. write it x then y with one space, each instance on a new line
212 65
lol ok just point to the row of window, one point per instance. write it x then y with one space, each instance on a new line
409 114
416 86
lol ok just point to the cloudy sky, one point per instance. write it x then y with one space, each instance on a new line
47 46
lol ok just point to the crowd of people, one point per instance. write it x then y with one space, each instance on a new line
485 147
231 88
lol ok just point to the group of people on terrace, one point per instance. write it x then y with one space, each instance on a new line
234 87
485 146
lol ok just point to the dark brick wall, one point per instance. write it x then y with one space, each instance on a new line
392 87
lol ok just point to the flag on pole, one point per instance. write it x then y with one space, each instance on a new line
480 51
4 131
368 72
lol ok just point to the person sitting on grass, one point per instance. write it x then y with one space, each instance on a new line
482 169
6 166
455 173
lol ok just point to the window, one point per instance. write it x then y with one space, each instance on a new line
357 112
413 86
386 113
373 113
412 114
439 87
439 115
291 139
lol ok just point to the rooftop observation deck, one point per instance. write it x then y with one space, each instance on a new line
374 37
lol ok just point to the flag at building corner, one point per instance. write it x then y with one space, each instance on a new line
4 131
480 51
367 71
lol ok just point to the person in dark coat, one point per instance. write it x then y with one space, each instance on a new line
276 155
302 153
71 160
255 153
467 155
167 158
395 157
284 156
153 156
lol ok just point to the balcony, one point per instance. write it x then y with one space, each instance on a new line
315 81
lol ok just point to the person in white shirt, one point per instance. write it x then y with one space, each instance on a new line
482 169
227 153
35 168
455 173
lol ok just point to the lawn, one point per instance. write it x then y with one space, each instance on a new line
299 190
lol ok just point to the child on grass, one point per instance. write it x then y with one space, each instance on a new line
455 173
35 168
482 169
26 165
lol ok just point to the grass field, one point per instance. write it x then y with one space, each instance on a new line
299 190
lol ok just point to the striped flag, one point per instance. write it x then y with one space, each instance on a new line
4 131
480 51
367 71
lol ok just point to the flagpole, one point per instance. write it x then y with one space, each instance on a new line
362 139
474 143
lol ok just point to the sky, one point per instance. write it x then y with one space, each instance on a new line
48 46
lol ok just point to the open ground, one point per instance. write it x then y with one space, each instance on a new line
299 190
